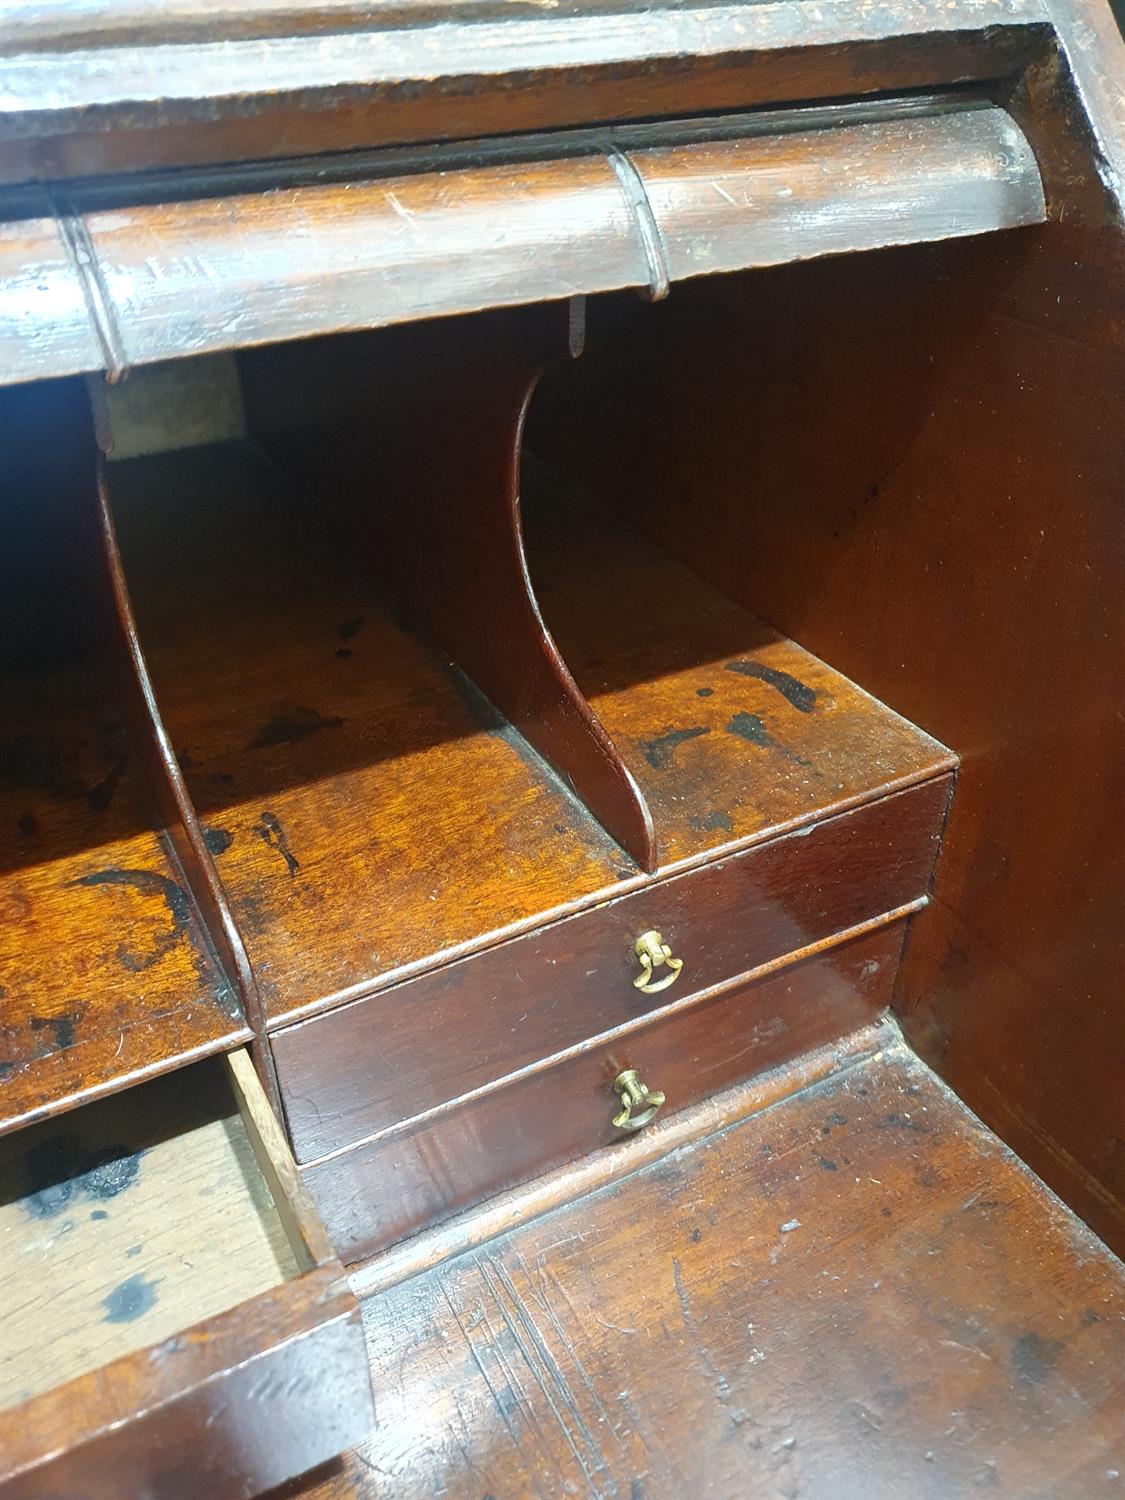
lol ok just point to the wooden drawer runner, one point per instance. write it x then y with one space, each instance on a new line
373 1064
381 1192
173 1321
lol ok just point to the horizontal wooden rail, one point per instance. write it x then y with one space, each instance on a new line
108 287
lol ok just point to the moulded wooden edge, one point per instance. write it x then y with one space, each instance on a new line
221 270
232 1406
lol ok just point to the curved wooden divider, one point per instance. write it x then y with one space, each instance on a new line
432 427
166 781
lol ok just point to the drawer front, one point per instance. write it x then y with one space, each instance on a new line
380 1192
377 1062
193 1334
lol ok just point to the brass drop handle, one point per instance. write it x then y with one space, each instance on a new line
634 1095
653 953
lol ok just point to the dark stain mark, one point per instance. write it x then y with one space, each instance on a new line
704 692
1089 1316
350 628
218 840
60 1027
792 689
6 1068
133 1251
901 1122
100 796
271 833
835 1118
636 1489
1035 1357
28 825
344 652
750 728
696 1236
150 883
827 1163
659 751
131 1300
707 822
60 1173
98 1213
886 1212
289 726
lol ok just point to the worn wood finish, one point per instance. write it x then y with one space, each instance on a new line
181 276
332 754
226 1408
125 1222
857 1292
207 1341
106 971
367 1067
74 112
327 706
378 1193
765 201
925 487
729 728
445 413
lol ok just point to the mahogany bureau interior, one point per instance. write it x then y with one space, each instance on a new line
525 660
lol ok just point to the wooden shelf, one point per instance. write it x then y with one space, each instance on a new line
732 731
333 756
105 968
366 807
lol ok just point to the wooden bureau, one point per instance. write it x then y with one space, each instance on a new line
557 572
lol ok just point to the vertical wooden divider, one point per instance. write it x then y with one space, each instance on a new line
166 780
435 414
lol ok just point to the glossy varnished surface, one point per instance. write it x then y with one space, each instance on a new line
857 1293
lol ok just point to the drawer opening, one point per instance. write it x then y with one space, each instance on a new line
106 966
130 1219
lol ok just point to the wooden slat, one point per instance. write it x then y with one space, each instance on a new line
238 269
45 326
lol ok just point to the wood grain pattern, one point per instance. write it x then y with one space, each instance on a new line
106 970
124 1223
924 487
369 1066
857 1292
729 728
226 1408
178 278
45 326
73 113
376 1194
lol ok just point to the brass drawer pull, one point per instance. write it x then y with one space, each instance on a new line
653 952
635 1095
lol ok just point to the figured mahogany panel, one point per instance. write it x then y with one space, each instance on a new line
105 967
918 475
368 1066
376 1194
858 1292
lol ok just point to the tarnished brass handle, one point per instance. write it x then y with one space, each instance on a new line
653 953
634 1095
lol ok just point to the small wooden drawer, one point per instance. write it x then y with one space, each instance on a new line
371 1065
380 1192
173 1320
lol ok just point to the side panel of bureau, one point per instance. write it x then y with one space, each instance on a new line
373 1064
381 1192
